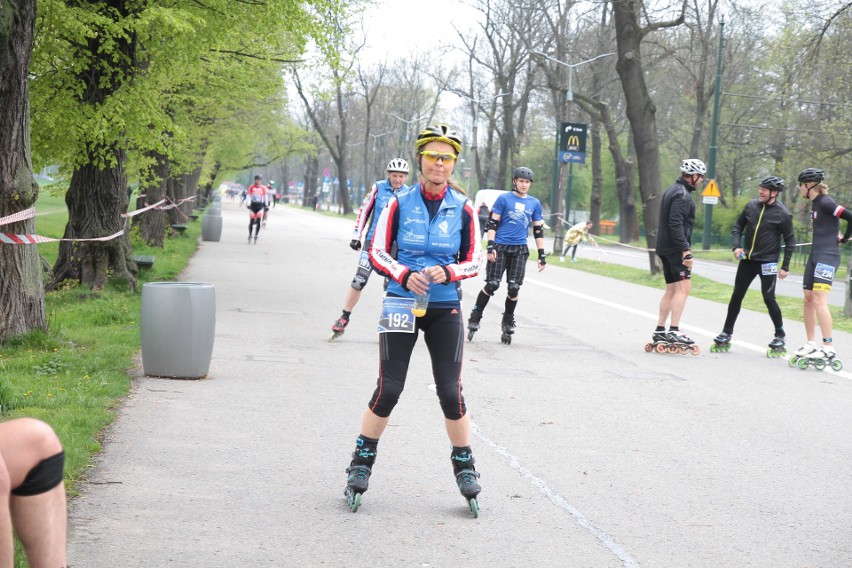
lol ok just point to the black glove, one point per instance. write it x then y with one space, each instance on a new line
489 247
541 256
355 244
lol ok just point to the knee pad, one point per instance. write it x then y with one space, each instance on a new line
47 474
358 282
491 286
512 289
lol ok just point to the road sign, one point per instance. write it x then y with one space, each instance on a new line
572 137
712 190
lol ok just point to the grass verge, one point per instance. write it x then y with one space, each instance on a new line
74 375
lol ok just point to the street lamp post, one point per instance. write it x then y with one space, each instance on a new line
474 178
569 97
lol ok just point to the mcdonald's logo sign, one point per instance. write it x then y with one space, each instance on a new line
572 137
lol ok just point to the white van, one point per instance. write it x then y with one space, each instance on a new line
486 196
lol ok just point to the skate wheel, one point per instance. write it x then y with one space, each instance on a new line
649 347
793 361
819 364
695 350
714 348
470 335
672 349
353 499
661 348
837 364
474 507
802 363
334 335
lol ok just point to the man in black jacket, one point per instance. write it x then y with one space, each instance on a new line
763 222
674 244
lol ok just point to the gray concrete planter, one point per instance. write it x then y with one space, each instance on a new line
178 324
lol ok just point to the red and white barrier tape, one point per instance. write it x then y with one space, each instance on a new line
13 239
19 216
138 211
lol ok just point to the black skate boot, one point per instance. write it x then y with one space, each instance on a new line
508 327
777 347
358 480
338 327
467 478
680 343
473 323
721 343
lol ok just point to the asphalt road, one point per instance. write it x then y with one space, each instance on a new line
593 453
724 272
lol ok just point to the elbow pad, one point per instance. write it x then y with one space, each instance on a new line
538 232
491 225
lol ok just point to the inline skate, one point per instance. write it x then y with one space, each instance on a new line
473 323
817 357
338 328
777 347
466 479
721 343
358 479
508 327
672 342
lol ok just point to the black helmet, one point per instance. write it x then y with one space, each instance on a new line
522 173
440 133
811 174
772 183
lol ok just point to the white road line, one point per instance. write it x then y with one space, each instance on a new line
558 500
653 317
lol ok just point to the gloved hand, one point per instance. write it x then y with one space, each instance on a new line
355 244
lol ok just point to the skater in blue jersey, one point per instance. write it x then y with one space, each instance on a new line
511 217
436 232
368 215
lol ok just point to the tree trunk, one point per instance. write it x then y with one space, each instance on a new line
96 199
641 112
152 223
21 291
597 177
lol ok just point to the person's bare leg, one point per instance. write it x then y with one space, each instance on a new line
459 431
678 301
373 425
666 305
352 297
809 314
7 543
823 315
40 521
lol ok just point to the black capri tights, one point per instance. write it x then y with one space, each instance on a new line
443 330
746 271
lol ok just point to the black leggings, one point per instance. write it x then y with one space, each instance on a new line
255 217
746 271
444 333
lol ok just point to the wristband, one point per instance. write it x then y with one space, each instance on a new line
541 256
489 246
687 256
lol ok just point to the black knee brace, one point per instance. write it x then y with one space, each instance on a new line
512 289
491 286
47 474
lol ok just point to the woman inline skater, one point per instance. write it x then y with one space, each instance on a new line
820 269
436 231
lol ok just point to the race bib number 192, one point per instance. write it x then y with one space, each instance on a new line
396 316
